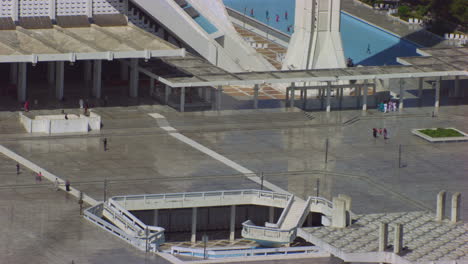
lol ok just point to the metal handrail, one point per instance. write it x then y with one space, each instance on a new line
135 221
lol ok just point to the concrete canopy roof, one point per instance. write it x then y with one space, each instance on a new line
70 44
446 62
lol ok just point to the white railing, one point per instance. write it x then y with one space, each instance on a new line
147 198
242 252
272 232
155 234
92 214
251 231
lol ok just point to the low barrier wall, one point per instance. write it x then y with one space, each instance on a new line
52 124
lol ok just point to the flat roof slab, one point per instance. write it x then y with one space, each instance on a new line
425 239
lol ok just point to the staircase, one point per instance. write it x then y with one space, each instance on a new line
285 230
294 215
273 52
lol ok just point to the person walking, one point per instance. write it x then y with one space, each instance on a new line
385 134
380 131
105 144
374 132
286 15
39 177
277 18
17 169
267 14
252 12
385 106
26 106
56 184
67 185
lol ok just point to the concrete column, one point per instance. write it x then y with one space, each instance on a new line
440 210
59 79
358 96
437 92
256 96
420 90
340 102
364 96
328 96
457 87
213 98
14 73
52 13
193 238
50 72
374 88
22 81
301 96
383 236
321 95
291 98
167 92
219 92
133 78
97 78
339 213
123 71
398 239
402 97
182 99
304 104
89 9
15 11
271 214
232 224
204 93
151 91
156 217
456 199
88 70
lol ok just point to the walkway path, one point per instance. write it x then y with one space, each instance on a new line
381 19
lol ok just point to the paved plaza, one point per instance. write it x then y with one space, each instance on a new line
287 145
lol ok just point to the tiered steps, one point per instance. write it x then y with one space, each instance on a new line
270 52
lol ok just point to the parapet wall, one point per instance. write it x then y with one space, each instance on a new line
52 124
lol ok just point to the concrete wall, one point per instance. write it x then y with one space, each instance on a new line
57 124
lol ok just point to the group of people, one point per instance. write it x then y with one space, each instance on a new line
267 14
376 132
388 106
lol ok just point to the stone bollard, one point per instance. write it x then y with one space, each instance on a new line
398 239
383 236
339 213
456 199
440 211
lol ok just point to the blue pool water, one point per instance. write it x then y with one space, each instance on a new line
204 23
363 43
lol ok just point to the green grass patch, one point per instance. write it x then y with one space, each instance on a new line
441 132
